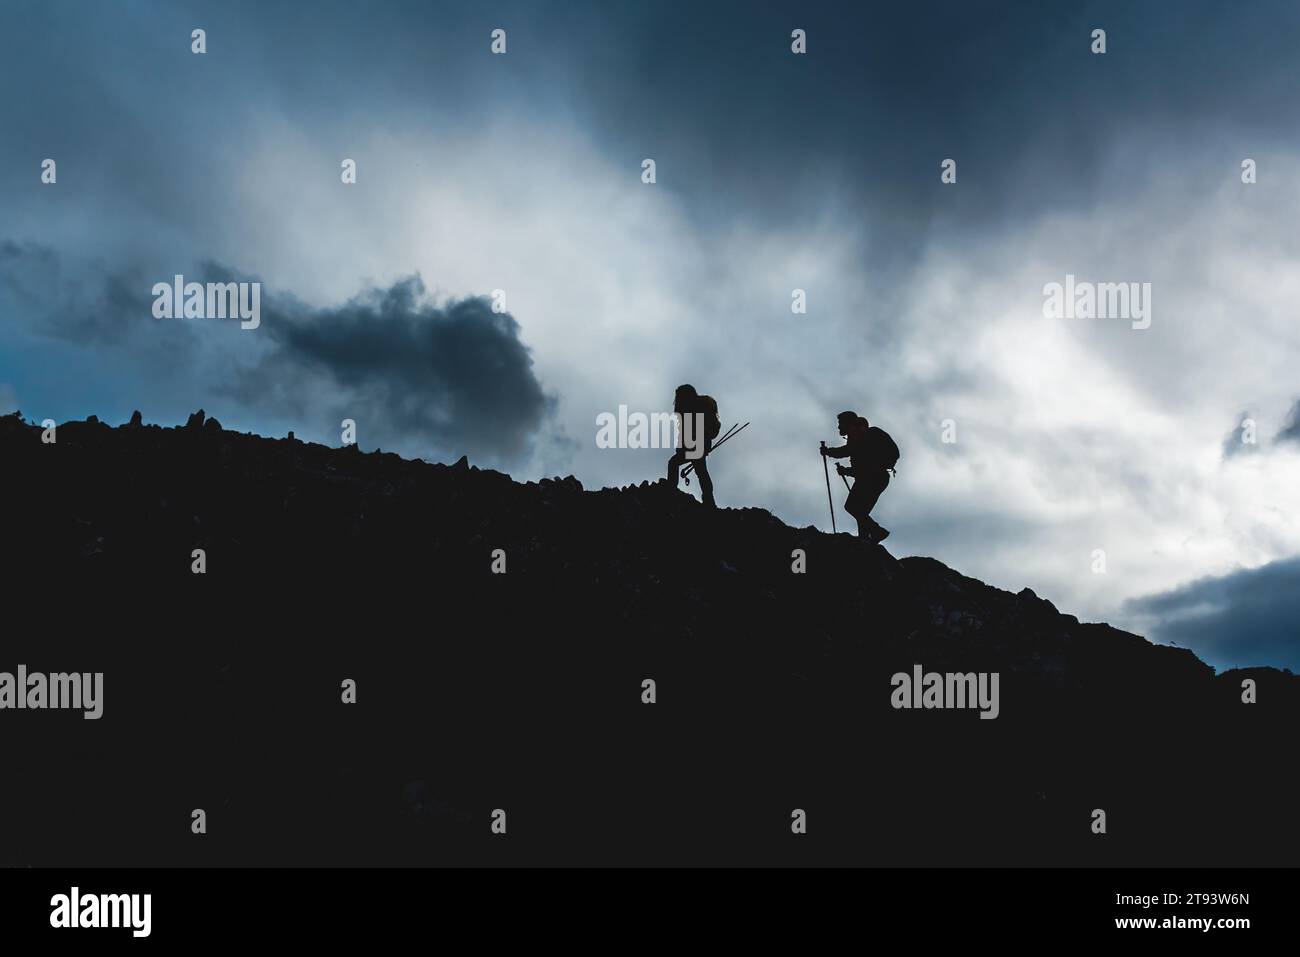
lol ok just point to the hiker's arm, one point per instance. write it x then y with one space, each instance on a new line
836 453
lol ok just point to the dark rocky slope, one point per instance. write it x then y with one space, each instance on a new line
522 691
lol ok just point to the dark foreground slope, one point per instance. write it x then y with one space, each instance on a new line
522 691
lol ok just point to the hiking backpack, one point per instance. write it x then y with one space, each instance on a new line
884 448
712 423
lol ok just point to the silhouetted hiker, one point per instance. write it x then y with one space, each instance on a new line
872 455
700 426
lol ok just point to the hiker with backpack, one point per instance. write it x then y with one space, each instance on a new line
700 426
872 455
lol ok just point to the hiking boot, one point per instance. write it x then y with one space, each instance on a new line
872 531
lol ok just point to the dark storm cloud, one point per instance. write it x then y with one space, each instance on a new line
86 305
433 380
1233 442
1010 90
25 271
454 377
1250 617
1291 430
746 129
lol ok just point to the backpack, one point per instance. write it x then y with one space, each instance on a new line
712 423
884 449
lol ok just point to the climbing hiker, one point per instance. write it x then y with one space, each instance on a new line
872 455
700 425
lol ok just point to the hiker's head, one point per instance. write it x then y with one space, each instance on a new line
686 395
848 421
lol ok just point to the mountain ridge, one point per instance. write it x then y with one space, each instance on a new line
326 563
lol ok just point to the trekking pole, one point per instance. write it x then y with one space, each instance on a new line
730 435
827 469
686 472
726 435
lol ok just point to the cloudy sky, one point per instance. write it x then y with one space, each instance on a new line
523 173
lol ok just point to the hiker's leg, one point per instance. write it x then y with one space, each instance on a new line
871 489
674 467
867 527
706 482
852 505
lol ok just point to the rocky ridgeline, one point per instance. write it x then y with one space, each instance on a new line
500 634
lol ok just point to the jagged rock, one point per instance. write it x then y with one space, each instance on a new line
212 425
195 421
137 419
